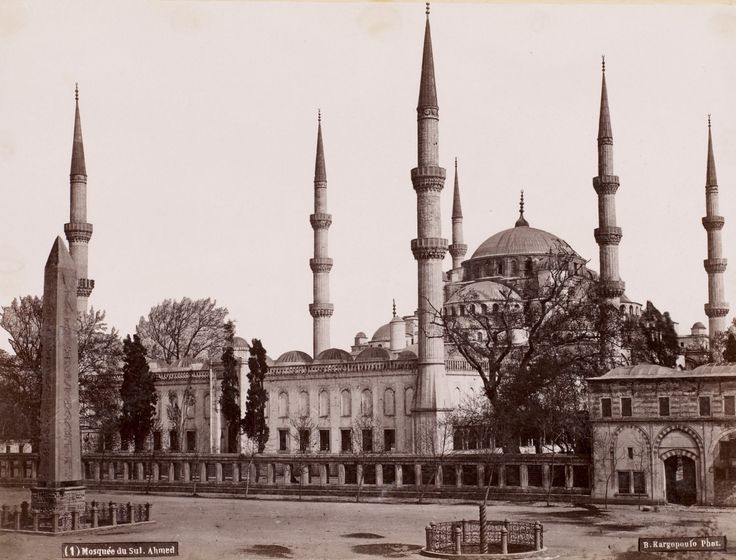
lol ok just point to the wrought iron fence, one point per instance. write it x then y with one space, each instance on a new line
466 537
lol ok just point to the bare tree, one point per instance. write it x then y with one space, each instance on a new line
183 329
436 443
304 433
365 435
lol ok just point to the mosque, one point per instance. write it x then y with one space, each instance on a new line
393 388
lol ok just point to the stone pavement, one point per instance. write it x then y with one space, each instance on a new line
230 528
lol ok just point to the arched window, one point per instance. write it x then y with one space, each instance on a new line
303 404
283 405
483 308
408 400
389 402
514 268
499 268
528 267
462 310
471 309
495 308
623 309
366 403
324 404
458 395
345 403
189 409
207 405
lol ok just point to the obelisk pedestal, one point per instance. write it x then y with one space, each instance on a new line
60 488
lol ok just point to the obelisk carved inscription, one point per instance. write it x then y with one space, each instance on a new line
60 461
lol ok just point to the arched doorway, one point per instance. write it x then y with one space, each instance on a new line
680 480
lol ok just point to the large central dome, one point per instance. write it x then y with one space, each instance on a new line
521 240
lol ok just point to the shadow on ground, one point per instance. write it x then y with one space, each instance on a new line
362 536
387 550
268 551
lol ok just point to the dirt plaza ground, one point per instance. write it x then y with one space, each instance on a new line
230 528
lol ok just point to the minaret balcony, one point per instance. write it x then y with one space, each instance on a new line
85 287
719 309
605 184
320 264
429 248
78 232
321 309
458 249
715 265
608 235
428 178
320 221
611 288
713 223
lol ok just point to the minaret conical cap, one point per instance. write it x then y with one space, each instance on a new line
78 166
427 87
320 172
604 122
710 174
457 210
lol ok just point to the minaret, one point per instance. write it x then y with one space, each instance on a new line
78 231
321 310
458 248
715 265
607 234
429 250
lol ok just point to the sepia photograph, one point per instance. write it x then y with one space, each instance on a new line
352 280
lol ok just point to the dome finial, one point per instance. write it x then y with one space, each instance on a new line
603 63
394 302
427 10
708 120
76 91
319 115
521 221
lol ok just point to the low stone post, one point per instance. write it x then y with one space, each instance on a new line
218 472
236 473
304 477
24 508
155 472
504 540
287 474
16 518
379 475
501 476
186 471
546 476
482 519
113 514
139 471
537 536
34 514
359 474
111 470
148 511
399 474
568 477
126 471
172 471
458 539
54 522
75 520
323 474
253 473
3 515
97 470
418 474
439 476
270 474
458 475
340 474
203 472
481 475
465 529
95 516
428 538
131 516
34 468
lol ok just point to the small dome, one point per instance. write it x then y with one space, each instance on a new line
361 334
383 333
239 342
370 354
698 326
521 241
406 355
293 357
334 355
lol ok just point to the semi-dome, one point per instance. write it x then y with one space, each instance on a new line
484 290
373 353
293 357
521 240
383 333
406 355
333 355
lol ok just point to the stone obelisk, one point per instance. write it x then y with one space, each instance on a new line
59 490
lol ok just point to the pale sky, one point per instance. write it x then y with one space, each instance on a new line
199 123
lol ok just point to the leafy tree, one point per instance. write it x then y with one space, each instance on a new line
254 422
183 329
137 392
652 338
100 353
230 398
729 354
539 332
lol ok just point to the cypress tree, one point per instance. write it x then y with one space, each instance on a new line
230 398
254 421
729 354
137 392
